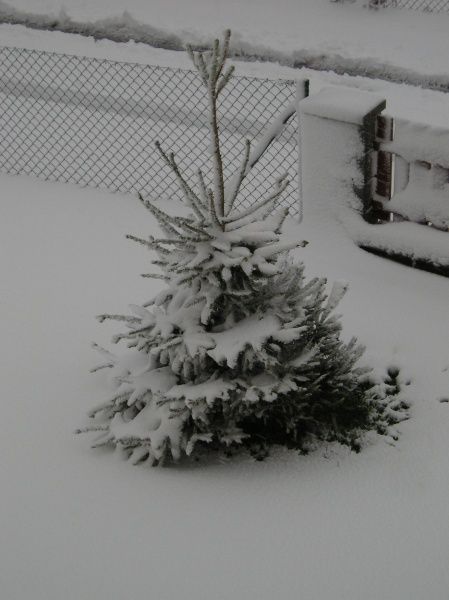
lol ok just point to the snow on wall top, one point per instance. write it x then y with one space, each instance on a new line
419 141
342 104
406 238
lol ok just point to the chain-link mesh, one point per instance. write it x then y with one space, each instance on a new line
424 5
94 122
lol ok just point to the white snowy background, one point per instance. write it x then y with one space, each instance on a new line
81 524
395 43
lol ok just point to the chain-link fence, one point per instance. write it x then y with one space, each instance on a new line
423 5
94 122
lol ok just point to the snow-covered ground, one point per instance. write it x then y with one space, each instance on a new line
80 524
393 43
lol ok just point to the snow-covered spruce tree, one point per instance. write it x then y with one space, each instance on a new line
238 349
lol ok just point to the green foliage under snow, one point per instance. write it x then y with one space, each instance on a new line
238 349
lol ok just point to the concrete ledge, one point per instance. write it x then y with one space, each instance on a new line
343 104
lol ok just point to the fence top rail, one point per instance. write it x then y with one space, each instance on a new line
179 70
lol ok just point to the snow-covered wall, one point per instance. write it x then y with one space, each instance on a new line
339 145
421 173
420 141
338 134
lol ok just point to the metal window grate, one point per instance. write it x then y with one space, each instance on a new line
94 122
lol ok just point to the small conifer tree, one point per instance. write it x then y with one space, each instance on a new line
238 349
